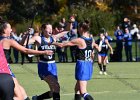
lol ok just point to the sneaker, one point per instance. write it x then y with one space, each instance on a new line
105 73
100 72
34 97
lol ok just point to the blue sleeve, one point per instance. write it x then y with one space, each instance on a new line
125 37
109 38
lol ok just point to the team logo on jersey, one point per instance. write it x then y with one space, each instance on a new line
48 47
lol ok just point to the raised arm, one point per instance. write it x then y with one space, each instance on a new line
60 35
16 45
31 40
73 42
23 38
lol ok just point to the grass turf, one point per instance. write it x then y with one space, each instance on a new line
121 83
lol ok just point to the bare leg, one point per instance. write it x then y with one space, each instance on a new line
53 83
83 90
77 92
17 91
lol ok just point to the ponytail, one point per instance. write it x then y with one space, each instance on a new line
3 25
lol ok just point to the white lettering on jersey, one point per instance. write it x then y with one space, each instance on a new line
48 47
88 54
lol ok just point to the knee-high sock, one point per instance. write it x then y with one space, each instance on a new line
56 96
100 67
86 96
104 68
77 97
45 95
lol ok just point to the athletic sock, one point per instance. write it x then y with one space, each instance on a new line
77 97
100 67
56 96
104 68
27 98
86 96
46 95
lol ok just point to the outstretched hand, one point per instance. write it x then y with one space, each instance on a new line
57 44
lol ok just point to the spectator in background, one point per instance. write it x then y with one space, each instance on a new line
134 31
22 54
56 31
15 51
119 43
28 57
138 35
55 28
30 46
128 44
61 52
63 23
73 35
138 38
73 27
125 24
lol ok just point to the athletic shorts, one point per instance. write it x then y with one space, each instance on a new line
47 68
6 87
102 54
83 70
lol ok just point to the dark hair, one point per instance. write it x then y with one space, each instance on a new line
102 30
3 25
84 25
44 26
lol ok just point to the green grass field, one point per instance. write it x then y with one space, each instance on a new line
121 83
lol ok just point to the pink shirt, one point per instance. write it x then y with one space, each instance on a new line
3 62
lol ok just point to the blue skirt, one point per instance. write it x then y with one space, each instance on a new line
83 70
45 69
102 54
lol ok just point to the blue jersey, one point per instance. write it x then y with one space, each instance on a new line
85 54
84 64
47 65
119 35
128 39
104 47
47 46
75 25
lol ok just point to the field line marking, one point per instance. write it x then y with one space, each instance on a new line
102 92
123 81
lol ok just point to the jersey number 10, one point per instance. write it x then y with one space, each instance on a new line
88 55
